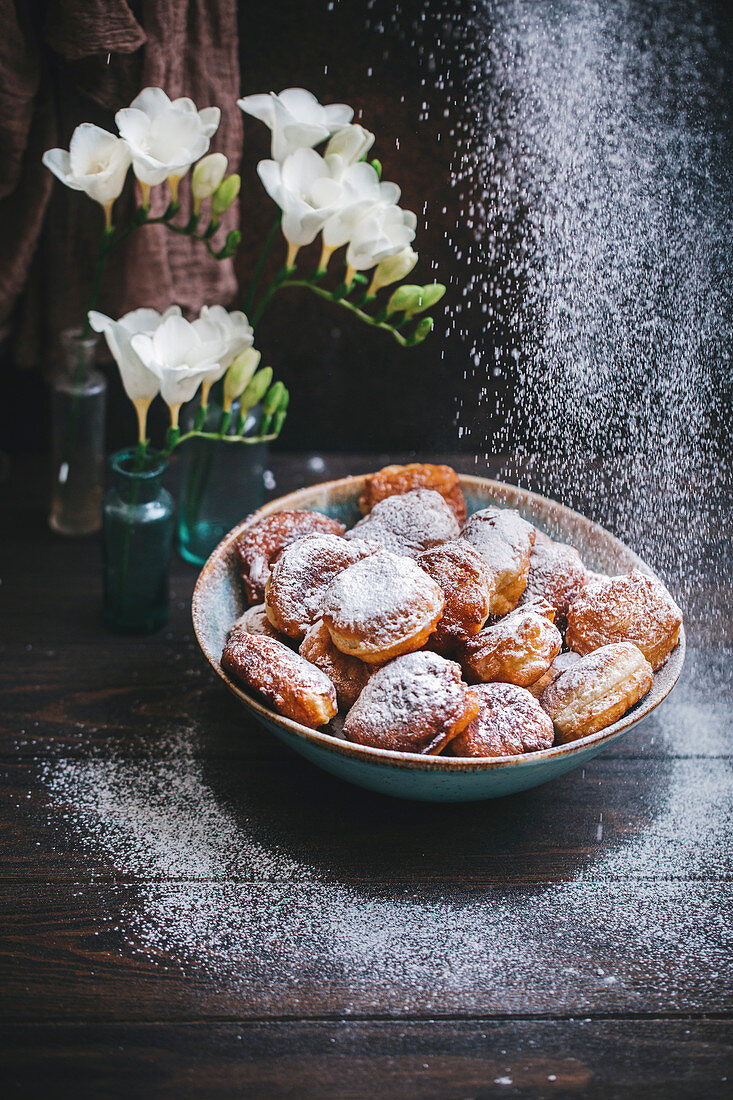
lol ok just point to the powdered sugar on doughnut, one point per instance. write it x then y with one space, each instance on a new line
482 526
255 621
556 574
634 607
408 523
504 540
510 722
302 574
259 546
413 704
383 595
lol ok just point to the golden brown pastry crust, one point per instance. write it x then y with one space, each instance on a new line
467 586
416 703
597 690
561 664
556 574
394 480
259 546
347 674
301 575
408 523
517 650
509 722
381 607
291 684
632 608
504 540
255 621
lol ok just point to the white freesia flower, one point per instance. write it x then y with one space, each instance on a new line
382 233
207 175
181 354
306 191
392 269
140 384
237 331
237 335
361 194
165 136
351 143
96 163
296 118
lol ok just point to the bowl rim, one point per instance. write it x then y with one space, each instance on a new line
389 757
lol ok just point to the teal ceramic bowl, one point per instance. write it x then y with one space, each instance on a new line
218 600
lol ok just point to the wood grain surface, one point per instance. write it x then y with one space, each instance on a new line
573 940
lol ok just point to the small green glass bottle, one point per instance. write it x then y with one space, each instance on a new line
138 523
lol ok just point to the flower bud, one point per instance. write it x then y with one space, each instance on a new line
230 246
431 294
224 196
422 328
351 143
273 398
206 178
414 299
404 299
392 269
256 388
240 373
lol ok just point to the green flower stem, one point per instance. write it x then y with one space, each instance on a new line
329 296
257 273
220 439
106 245
280 279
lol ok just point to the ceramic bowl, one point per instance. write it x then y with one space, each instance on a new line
218 600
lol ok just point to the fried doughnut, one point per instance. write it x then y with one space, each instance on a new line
509 722
255 621
561 664
556 574
532 603
467 586
631 608
416 703
302 574
597 690
504 540
347 674
408 523
516 650
259 546
294 686
381 607
394 480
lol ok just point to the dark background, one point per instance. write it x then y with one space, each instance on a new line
353 388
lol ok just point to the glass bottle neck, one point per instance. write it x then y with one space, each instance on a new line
78 356
137 479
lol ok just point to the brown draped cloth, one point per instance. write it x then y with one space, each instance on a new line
63 62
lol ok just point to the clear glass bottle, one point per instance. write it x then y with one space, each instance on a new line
78 406
137 539
220 483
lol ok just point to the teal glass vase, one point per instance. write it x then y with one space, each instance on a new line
220 483
138 524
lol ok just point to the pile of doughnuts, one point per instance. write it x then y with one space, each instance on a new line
421 630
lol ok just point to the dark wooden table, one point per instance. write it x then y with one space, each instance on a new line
188 909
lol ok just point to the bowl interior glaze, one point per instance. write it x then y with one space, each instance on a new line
218 600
